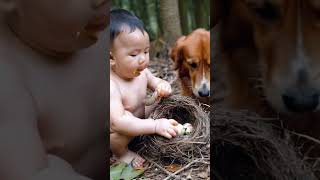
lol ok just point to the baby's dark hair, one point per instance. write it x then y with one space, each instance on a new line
120 18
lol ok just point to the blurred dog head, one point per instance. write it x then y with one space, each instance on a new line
285 36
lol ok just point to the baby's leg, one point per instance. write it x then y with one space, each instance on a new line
119 146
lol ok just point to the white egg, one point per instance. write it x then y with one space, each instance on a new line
180 129
185 129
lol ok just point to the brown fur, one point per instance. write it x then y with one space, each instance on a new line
191 55
260 38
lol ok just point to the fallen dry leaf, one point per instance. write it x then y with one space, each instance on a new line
173 168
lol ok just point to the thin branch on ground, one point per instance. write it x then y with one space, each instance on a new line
160 167
185 167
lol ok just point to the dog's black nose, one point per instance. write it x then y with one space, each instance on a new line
301 101
204 91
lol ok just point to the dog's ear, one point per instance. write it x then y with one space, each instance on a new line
176 52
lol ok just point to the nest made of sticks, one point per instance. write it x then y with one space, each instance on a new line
180 149
246 146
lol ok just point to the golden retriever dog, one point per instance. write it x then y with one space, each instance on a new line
191 55
271 51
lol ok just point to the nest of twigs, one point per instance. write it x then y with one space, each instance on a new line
180 149
246 146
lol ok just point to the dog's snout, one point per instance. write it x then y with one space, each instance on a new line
204 91
301 100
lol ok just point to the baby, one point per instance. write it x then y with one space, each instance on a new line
53 101
129 80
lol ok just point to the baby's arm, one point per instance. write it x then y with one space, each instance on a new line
162 87
124 122
22 155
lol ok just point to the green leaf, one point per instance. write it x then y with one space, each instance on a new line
129 172
116 170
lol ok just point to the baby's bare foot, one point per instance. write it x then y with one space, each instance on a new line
133 158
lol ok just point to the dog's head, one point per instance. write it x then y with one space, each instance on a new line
286 36
191 55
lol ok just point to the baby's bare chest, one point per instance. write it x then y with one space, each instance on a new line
71 107
70 121
72 125
133 95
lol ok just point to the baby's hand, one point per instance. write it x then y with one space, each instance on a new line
163 89
166 127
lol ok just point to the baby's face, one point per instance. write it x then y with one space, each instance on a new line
130 52
60 25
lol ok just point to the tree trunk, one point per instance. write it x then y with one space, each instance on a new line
158 18
170 19
201 13
183 9
152 16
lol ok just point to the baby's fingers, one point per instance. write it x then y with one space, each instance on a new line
159 89
167 135
175 129
164 89
172 132
163 93
168 89
173 122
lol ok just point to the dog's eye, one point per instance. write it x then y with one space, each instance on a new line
267 11
193 65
